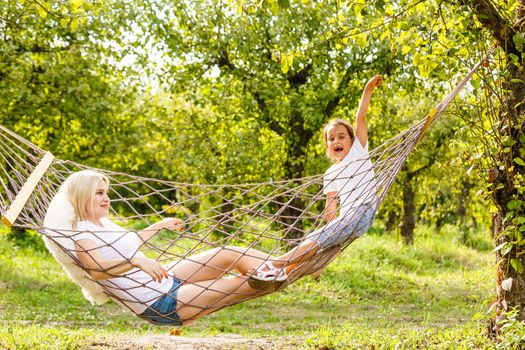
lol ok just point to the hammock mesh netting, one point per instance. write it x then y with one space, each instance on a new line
272 217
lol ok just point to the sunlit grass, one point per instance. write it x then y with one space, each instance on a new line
32 337
350 336
379 292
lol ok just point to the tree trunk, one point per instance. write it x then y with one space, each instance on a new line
508 174
463 198
409 212
391 222
511 293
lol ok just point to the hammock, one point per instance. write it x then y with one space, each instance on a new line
272 217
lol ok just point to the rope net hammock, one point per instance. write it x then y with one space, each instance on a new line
272 217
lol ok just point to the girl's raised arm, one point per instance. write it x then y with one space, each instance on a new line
361 129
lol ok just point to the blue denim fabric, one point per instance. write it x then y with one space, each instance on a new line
351 226
164 310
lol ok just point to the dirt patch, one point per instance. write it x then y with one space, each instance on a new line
172 342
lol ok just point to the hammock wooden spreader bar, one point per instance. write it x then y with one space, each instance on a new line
27 189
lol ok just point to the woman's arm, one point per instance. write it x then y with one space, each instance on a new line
330 210
100 269
361 129
150 231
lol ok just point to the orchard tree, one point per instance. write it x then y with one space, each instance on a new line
281 72
55 88
505 146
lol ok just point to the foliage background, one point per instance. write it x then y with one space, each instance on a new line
229 92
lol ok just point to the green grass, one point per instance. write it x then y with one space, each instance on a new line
378 294
32 337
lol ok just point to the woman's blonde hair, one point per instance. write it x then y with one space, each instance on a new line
80 188
333 123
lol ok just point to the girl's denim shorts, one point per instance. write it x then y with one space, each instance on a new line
346 228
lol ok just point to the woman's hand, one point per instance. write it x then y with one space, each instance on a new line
151 267
376 80
172 223
167 223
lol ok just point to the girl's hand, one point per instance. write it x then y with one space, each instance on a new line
376 80
151 267
173 223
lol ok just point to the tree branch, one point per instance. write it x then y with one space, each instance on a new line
223 61
300 77
334 102
491 19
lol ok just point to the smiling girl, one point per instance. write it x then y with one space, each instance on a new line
349 186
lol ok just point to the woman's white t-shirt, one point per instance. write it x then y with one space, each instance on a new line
135 288
353 179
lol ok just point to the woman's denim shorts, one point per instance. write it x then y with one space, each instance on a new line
346 228
164 310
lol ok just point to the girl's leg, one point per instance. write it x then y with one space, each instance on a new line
306 249
214 263
201 298
311 245
299 254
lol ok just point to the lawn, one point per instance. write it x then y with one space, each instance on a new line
379 294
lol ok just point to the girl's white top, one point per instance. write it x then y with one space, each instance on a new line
353 179
135 288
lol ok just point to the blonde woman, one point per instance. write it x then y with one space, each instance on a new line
183 290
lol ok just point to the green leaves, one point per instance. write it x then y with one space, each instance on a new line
287 61
43 9
515 204
361 40
519 40
76 5
284 4
516 265
505 248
